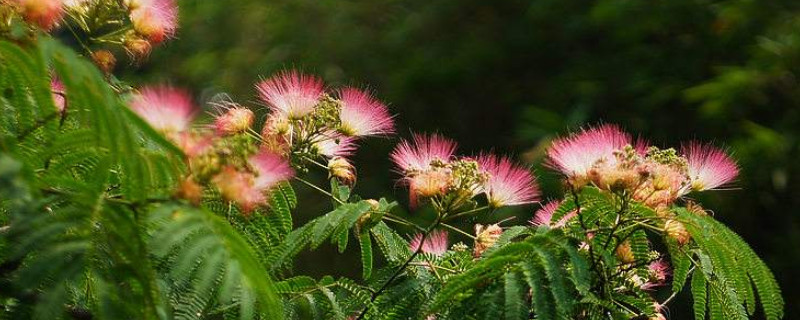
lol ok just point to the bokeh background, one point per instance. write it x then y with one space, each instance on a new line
511 75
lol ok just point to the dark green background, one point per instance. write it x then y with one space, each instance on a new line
510 75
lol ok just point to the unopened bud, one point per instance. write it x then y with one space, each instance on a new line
676 230
104 60
341 169
625 253
139 49
485 237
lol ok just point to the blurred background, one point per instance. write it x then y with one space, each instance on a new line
511 75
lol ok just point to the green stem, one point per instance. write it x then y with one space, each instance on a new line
458 230
461 214
319 189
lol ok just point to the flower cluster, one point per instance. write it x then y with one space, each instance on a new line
304 125
611 160
311 124
221 154
431 170
135 25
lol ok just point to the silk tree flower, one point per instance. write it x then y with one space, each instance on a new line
507 183
291 94
424 149
155 20
59 95
44 13
235 119
270 169
575 155
333 144
544 216
485 238
166 109
435 243
363 115
708 166
193 144
659 272
239 187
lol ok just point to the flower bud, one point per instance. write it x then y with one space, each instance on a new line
235 120
341 169
190 190
676 230
43 13
625 253
485 237
104 60
139 49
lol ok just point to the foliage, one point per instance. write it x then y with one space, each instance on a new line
101 221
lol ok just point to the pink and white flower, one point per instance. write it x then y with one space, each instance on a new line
575 155
659 272
708 166
424 149
507 183
155 20
435 243
290 93
44 13
59 95
363 115
332 144
270 169
235 119
239 187
544 216
166 109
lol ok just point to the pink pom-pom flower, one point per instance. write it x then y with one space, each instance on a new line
507 183
575 155
59 95
166 109
544 216
332 144
155 20
435 243
291 94
239 187
235 119
270 168
363 115
708 166
418 154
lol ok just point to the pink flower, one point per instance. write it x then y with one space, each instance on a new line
435 243
507 184
270 168
363 115
234 120
575 155
165 108
659 271
43 13
156 20
708 166
192 144
418 155
239 187
332 144
59 95
544 216
290 93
